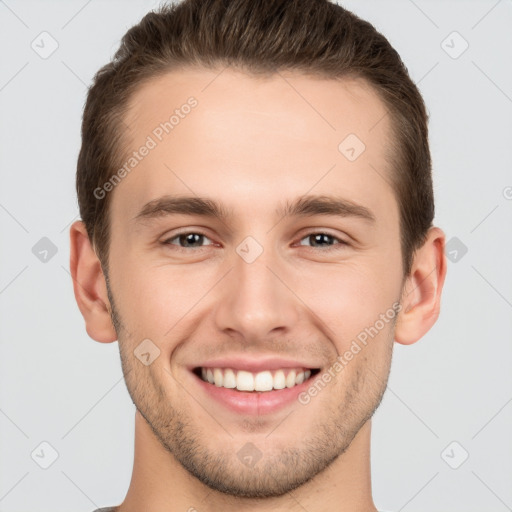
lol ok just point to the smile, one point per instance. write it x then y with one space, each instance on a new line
262 381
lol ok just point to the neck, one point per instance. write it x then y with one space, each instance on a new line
159 483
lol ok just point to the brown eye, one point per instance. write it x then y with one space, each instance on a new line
326 240
188 240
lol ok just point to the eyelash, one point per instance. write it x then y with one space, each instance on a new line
329 248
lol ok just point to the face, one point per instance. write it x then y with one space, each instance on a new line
288 251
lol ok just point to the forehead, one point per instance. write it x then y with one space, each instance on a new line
292 99
257 136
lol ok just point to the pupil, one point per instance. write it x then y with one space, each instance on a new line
320 236
191 237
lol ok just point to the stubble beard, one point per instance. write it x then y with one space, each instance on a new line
219 468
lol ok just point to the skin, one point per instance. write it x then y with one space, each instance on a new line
251 144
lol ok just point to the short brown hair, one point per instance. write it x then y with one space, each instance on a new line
316 37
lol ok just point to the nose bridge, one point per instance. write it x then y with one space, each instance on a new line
256 301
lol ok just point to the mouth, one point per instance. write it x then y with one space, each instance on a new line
255 382
253 387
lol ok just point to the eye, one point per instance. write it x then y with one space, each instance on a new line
196 240
188 240
325 240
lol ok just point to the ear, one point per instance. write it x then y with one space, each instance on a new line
89 286
421 294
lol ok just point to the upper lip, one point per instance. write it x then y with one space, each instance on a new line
254 364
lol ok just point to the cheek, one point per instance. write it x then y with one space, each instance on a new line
351 296
155 299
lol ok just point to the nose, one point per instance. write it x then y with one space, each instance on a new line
256 301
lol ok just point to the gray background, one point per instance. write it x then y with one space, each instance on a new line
455 385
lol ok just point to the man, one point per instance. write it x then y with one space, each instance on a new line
256 199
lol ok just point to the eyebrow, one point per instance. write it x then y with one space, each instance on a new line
305 206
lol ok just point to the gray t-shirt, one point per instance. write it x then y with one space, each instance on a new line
112 509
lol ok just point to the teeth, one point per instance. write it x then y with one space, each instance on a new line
218 377
244 381
247 381
290 379
279 380
229 379
263 381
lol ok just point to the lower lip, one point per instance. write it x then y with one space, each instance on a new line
254 402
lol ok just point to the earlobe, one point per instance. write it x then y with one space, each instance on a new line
421 295
89 286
